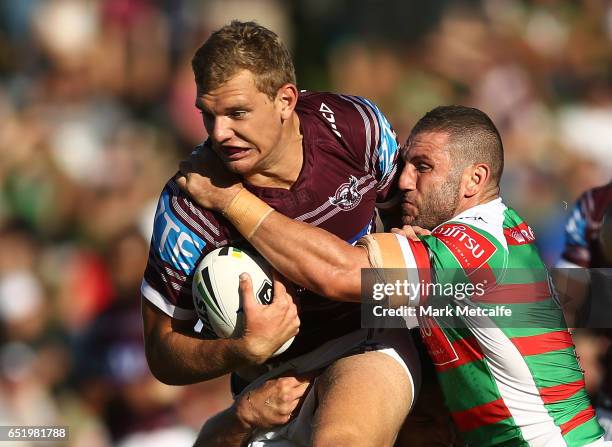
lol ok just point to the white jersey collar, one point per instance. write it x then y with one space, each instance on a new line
487 216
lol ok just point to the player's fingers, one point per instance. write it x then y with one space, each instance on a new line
410 233
291 382
308 377
280 297
290 292
298 391
181 181
398 231
421 231
245 292
287 408
406 232
300 397
291 312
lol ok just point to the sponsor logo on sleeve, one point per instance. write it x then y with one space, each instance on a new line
520 235
328 114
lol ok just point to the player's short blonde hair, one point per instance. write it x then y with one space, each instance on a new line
243 46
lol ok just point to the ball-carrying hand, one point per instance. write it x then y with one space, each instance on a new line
266 326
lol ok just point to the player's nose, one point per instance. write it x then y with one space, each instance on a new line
407 180
222 129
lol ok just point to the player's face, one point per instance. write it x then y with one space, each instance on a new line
243 123
429 184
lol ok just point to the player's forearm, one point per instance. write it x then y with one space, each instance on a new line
224 430
311 257
178 359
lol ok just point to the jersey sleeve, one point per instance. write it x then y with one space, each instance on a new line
398 258
182 235
576 249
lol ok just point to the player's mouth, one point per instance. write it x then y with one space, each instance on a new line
409 206
234 152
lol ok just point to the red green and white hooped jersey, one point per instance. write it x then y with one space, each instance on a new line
505 386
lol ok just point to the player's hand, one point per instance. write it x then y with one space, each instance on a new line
411 232
266 326
207 181
273 403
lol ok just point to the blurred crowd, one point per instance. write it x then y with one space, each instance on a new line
96 110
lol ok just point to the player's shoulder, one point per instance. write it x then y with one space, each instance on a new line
337 106
487 220
178 213
471 238
357 124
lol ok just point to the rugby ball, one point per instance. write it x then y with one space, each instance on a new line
215 290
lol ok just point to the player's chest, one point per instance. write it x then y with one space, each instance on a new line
339 201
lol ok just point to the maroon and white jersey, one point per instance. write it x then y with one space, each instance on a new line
582 229
350 164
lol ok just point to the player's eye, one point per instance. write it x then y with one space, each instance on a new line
238 114
423 167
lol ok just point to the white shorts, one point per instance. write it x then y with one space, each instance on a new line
298 432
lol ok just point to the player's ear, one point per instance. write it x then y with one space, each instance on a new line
286 99
475 178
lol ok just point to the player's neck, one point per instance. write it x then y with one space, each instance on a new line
282 168
479 199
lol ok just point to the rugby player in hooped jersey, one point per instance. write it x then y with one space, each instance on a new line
504 386
320 158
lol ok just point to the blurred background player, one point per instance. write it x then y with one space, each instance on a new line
584 246
588 293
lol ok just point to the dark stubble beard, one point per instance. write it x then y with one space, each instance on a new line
438 205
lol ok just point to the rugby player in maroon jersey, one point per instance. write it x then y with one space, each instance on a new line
320 158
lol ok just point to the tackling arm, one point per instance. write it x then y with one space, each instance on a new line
309 256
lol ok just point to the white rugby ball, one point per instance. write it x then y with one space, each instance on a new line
215 290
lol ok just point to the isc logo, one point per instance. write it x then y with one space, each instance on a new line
329 116
177 245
